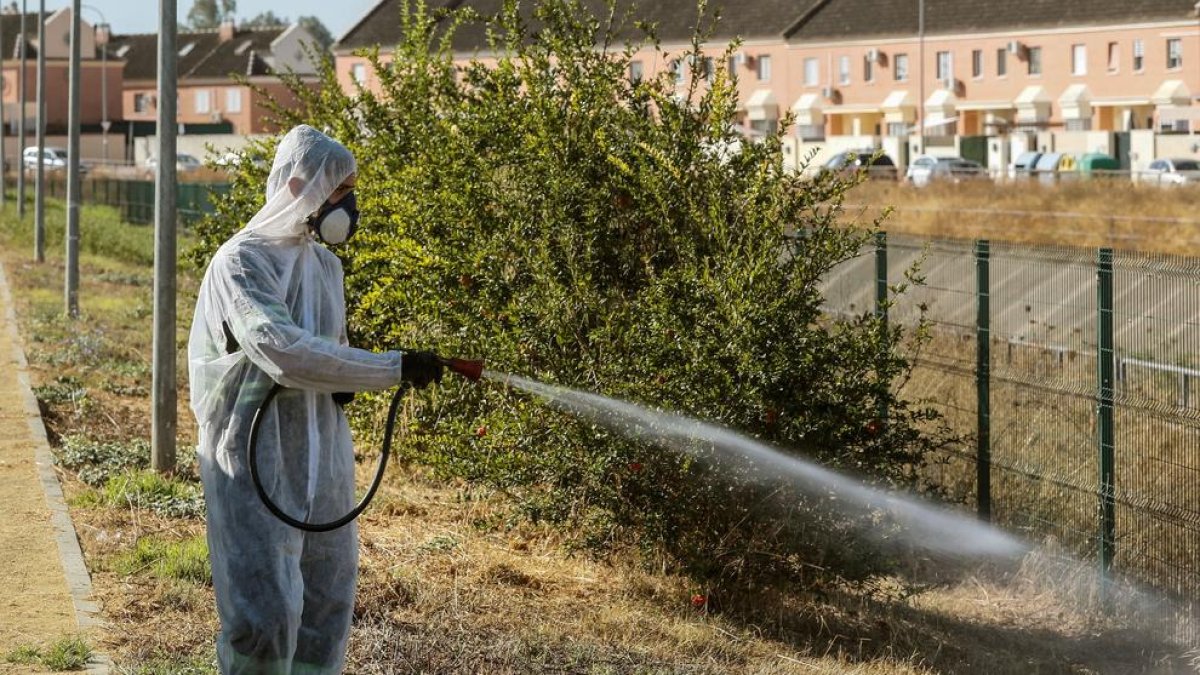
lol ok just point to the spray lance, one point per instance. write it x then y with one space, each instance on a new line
470 369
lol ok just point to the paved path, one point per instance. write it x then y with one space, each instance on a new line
44 586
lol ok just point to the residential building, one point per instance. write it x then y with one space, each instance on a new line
983 79
210 99
101 77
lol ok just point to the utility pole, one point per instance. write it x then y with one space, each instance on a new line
21 121
921 72
164 416
71 282
39 204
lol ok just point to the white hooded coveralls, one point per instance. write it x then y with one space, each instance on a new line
271 309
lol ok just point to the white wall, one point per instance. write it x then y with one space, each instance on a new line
197 145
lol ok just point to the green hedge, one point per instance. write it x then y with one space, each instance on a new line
545 212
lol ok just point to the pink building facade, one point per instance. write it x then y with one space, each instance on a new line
988 81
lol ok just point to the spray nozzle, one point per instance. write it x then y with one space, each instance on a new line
468 368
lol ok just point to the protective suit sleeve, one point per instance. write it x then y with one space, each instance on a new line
292 356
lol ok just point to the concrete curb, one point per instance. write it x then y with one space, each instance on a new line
79 583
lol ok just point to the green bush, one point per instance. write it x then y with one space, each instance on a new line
568 224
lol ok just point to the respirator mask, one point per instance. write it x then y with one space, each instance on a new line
335 223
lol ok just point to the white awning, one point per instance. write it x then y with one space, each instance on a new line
897 100
1120 101
807 110
762 105
940 106
1171 92
1076 102
898 108
1033 105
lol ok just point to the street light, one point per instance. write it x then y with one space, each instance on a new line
103 35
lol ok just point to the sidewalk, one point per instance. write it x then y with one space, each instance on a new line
45 591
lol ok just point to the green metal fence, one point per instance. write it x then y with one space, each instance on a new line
1074 373
135 198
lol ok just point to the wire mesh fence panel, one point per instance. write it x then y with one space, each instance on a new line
848 288
1043 383
938 278
1156 320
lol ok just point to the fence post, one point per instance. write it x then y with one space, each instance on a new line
881 276
1104 412
983 374
881 302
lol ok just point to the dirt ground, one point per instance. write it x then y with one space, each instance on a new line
36 606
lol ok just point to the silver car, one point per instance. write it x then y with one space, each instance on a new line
1173 171
927 168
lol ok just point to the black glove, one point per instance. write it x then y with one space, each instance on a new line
420 368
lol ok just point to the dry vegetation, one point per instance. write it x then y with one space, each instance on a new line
1088 213
451 583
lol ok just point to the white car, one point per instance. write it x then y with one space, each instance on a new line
184 163
53 159
925 169
1173 171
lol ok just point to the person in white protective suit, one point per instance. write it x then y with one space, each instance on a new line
271 310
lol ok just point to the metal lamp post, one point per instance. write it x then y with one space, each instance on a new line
103 34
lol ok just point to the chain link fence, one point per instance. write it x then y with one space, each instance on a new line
135 198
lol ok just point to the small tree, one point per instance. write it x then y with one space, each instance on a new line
571 224
207 14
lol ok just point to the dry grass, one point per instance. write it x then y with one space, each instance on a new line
1094 213
447 585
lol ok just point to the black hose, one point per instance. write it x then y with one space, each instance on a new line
252 459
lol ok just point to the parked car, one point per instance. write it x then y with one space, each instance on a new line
875 163
1173 171
925 169
54 159
184 163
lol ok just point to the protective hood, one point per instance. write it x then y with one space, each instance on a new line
308 167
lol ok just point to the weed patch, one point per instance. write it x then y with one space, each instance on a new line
150 491
97 462
66 653
185 560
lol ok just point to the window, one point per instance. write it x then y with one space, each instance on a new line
900 68
812 72
1079 124
1114 57
977 63
1035 60
141 103
203 103
710 71
844 70
764 68
868 69
1001 62
895 129
358 73
1174 53
944 70
677 68
233 100
636 71
1139 56
1079 59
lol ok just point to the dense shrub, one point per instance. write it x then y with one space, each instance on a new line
566 223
